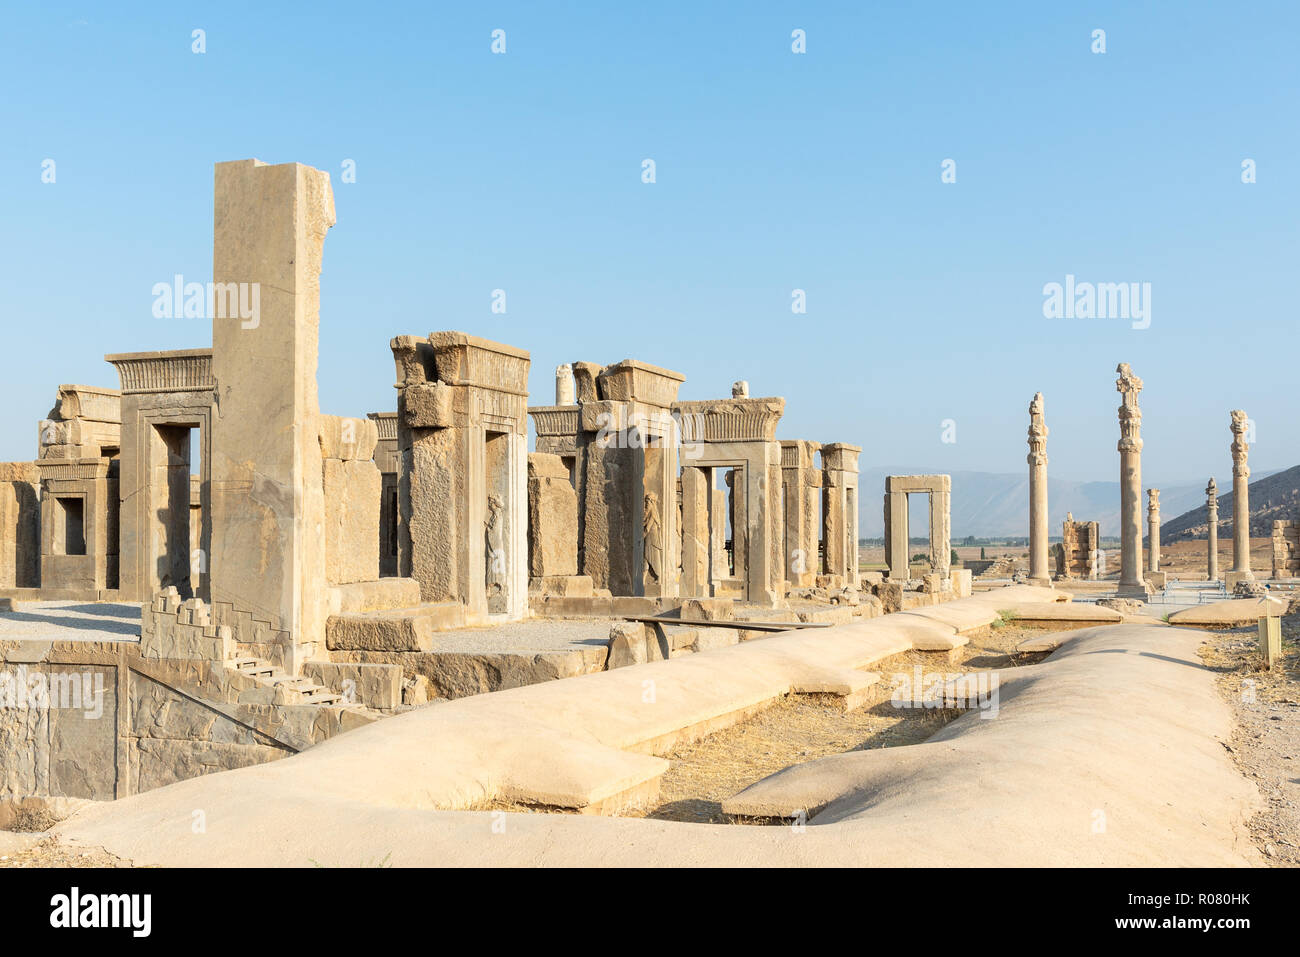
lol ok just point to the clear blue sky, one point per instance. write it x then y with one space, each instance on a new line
775 171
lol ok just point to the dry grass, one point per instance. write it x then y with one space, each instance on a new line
802 728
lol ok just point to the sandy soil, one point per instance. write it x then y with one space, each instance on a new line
1265 743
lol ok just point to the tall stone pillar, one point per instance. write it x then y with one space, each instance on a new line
1131 583
1039 574
268 510
896 533
941 530
695 533
1240 500
1153 529
802 483
1212 531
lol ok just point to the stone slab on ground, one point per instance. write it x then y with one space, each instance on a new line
1058 751
1083 613
470 661
1232 613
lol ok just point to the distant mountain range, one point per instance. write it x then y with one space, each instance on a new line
993 505
1273 495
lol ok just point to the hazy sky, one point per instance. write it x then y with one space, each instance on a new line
774 171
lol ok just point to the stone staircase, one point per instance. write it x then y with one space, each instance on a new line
284 687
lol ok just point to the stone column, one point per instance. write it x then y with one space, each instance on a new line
1240 499
1153 529
1131 583
1039 573
566 391
268 508
1212 531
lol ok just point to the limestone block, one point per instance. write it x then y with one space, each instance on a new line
83 736
633 381
407 630
634 643
890 595
346 438
961 583
352 501
376 686
552 518
585 375
383 593
561 586
708 609
429 405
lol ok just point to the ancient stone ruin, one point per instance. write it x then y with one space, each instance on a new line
1078 556
1286 548
298 574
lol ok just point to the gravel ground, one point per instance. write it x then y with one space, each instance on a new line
526 637
70 621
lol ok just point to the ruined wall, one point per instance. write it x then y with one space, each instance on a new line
1286 549
1078 554
20 525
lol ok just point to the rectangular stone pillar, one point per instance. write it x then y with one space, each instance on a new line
840 466
896 538
802 482
552 518
941 531
268 548
20 525
352 484
695 533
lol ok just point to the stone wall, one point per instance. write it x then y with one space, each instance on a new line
1078 555
20 525
1286 549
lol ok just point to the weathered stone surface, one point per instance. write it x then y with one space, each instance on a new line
708 609
552 518
1131 582
268 548
351 521
349 439
379 595
428 405
561 586
403 630
627 644
376 686
20 525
